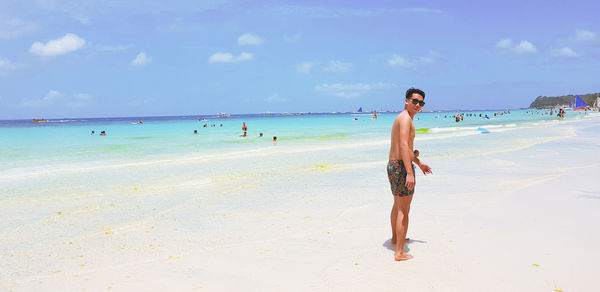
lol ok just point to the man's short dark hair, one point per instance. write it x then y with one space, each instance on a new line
411 90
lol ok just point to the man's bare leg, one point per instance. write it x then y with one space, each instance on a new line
393 218
403 204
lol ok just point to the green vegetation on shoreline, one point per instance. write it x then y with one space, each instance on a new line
551 101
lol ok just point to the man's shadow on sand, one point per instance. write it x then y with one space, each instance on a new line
388 244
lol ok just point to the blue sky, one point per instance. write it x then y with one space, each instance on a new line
137 58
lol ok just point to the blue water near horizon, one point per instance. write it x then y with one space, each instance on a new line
26 143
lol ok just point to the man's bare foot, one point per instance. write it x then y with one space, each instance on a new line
393 241
402 257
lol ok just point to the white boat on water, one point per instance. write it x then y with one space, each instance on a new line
223 115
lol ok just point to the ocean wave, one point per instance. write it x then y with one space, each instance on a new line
61 121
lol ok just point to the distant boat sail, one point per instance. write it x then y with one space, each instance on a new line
578 103
359 110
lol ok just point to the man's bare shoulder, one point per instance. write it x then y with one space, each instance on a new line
403 118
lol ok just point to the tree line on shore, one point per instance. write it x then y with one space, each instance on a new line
551 101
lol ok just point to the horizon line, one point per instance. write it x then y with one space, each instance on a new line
265 114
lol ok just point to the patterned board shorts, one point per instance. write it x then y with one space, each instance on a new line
397 176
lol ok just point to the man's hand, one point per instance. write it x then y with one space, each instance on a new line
425 168
410 181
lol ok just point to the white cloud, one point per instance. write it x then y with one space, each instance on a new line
332 66
68 43
564 52
306 67
179 24
79 100
337 66
229 58
249 40
5 66
50 98
584 35
399 61
292 38
55 97
522 47
352 90
140 60
504 43
274 98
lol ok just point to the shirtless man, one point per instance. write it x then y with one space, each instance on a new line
401 171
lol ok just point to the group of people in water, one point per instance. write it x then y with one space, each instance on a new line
560 113
459 117
102 133
245 134
244 129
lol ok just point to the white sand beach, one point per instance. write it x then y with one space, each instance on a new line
519 216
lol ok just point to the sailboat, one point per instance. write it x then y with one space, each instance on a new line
359 112
578 103
40 120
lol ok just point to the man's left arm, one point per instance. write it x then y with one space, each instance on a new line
424 167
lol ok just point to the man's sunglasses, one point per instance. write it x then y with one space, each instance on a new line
420 102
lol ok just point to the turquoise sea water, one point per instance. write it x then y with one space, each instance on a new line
26 144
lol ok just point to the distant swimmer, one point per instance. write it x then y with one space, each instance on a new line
355 119
103 133
274 138
195 131
93 132
243 135
260 135
244 127
221 125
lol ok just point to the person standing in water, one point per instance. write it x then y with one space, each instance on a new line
401 171
244 127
